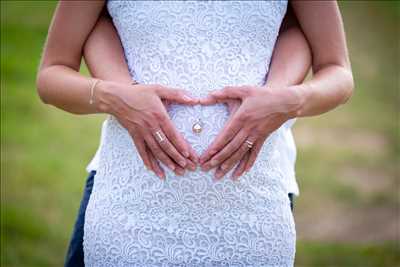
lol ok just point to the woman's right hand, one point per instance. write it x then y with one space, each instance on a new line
139 108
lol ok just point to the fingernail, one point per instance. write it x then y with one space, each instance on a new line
186 154
182 163
213 92
204 158
171 166
180 172
192 167
187 98
218 175
214 162
205 168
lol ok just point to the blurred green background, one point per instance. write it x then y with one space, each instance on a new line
348 160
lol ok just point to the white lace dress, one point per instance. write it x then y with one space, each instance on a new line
135 219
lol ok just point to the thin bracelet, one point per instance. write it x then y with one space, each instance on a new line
92 87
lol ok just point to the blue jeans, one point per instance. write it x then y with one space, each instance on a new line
74 256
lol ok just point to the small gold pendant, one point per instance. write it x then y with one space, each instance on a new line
197 128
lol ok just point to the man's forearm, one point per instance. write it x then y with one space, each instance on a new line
104 54
291 59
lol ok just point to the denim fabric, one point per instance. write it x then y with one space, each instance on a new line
74 256
291 197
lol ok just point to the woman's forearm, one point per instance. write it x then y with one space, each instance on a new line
332 83
59 82
67 89
329 87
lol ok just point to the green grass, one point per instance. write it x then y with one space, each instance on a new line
44 151
348 255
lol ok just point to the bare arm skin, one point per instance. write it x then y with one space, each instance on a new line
139 108
105 59
104 54
263 110
332 83
291 59
290 64
59 82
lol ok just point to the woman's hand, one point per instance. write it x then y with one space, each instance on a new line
233 106
139 108
262 111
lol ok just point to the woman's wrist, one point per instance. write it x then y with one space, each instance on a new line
104 96
292 98
302 94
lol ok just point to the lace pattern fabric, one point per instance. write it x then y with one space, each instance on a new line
135 219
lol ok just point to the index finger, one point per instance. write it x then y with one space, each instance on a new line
175 137
229 131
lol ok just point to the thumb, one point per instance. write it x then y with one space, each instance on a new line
233 105
224 95
230 92
176 95
166 103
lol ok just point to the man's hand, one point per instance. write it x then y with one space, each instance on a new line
262 111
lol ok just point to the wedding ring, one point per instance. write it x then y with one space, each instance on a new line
159 136
249 143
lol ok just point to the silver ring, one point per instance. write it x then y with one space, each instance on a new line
159 136
249 143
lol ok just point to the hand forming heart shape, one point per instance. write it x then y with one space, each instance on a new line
255 112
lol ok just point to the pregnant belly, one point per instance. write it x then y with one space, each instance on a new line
211 119
133 217
118 145
120 159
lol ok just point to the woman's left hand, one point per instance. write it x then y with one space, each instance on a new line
262 110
